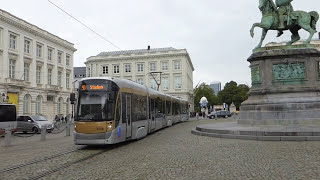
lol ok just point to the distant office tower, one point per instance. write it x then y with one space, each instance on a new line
216 86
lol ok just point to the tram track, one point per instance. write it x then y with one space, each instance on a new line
39 160
45 166
64 166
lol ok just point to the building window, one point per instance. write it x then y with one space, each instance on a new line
60 57
68 80
38 104
177 82
153 66
140 81
12 68
116 69
140 67
49 54
49 76
27 46
26 71
50 98
105 70
60 104
176 65
89 72
127 68
38 75
26 104
153 84
39 50
13 41
59 78
165 66
68 60
165 83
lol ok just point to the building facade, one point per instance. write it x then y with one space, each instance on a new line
78 74
216 86
36 68
166 69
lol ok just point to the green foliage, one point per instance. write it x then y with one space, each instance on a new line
234 93
204 90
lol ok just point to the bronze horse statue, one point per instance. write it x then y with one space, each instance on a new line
298 20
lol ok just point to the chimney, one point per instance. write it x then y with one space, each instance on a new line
148 47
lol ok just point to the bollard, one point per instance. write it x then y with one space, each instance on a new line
216 116
7 137
68 129
43 133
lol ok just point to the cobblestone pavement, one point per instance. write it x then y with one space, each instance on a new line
174 153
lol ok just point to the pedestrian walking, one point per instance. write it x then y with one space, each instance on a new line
66 119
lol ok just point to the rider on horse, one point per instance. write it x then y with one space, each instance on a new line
284 11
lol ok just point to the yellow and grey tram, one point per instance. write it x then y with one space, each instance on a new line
112 110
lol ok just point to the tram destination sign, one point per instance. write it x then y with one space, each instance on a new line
93 87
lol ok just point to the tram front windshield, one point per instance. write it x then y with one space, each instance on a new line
96 100
96 106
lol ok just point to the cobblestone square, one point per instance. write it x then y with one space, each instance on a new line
171 153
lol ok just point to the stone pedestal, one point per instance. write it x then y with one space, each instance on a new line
283 103
285 88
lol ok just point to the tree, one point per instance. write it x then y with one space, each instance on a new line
204 90
234 93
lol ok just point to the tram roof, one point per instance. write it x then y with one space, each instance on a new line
124 83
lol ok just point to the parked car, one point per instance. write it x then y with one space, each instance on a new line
222 113
33 124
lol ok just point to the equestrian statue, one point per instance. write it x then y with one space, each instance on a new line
280 16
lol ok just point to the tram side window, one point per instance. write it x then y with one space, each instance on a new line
123 104
152 108
158 106
168 108
164 107
184 108
179 108
144 107
139 111
176 108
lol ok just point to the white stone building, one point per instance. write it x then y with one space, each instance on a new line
36 68
170 68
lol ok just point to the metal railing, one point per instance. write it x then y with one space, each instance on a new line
56 130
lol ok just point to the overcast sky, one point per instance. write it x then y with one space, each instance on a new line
214 32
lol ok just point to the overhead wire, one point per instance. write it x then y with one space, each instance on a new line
105 39
97 34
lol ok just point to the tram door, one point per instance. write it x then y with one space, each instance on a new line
128 115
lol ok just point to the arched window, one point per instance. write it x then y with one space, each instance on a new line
60 105
27 104
38 104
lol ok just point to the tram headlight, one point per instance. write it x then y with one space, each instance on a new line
109 126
